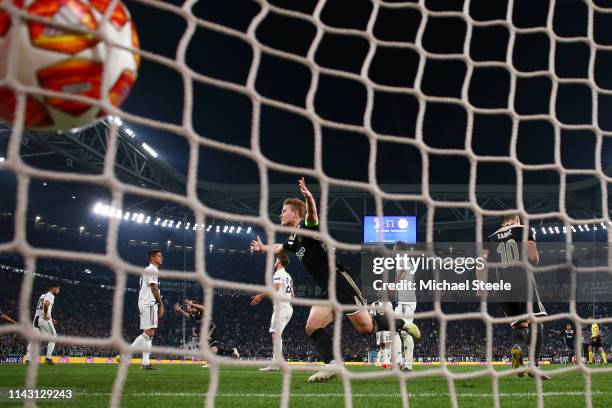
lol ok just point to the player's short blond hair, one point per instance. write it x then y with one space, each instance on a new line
298 205
509 217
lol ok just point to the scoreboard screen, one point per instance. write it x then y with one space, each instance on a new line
389 229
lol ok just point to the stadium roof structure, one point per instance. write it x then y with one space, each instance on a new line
84 150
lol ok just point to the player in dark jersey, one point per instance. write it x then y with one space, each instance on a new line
313 254
194 311
505 248
568 335
595 344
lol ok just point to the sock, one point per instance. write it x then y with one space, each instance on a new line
388 355
604 358
29 352
519 337
382 324
397 346
378 356
590 357
147 352
278 351
50 348
408 351
323 344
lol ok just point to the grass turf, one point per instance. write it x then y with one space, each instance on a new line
186 385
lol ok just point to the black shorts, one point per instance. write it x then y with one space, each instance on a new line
347 291
519 308
569 344
595 343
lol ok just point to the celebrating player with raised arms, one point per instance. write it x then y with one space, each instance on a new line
312 252
505 249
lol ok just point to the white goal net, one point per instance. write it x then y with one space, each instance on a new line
428 26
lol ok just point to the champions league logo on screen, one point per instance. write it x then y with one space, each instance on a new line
389 229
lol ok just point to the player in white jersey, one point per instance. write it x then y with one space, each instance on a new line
44 323
282 312
150 307
406 305
383 337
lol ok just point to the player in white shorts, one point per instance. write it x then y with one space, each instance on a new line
406 305
150 306
282 311
383 338
44 323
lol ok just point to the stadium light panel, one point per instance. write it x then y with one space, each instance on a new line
551 230
157 221
2 159
557 229
37 218
580 228
148 219
195 226
178 224
97 208
573 229
164 223
127 215
564 230
169 242
117 120
140 218
603 226
238 230
217 228
594 227
171 223
134 216
543 230
249 230
225 229
231 230
130 132
81 228
586 227
188 225
149 150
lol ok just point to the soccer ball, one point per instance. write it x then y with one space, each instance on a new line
71 62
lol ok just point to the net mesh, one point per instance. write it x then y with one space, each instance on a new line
25 173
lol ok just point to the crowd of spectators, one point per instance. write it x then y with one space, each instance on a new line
85 308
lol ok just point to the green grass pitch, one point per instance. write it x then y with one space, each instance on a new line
185 386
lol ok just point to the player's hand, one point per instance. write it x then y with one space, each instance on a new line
303 189
177 307
255 300
46 317
188 302
257 245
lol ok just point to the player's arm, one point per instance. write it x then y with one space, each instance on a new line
258 246
46 310
255 300
555 331
312 218
532 253
157 295
7 319
193 304
180 311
